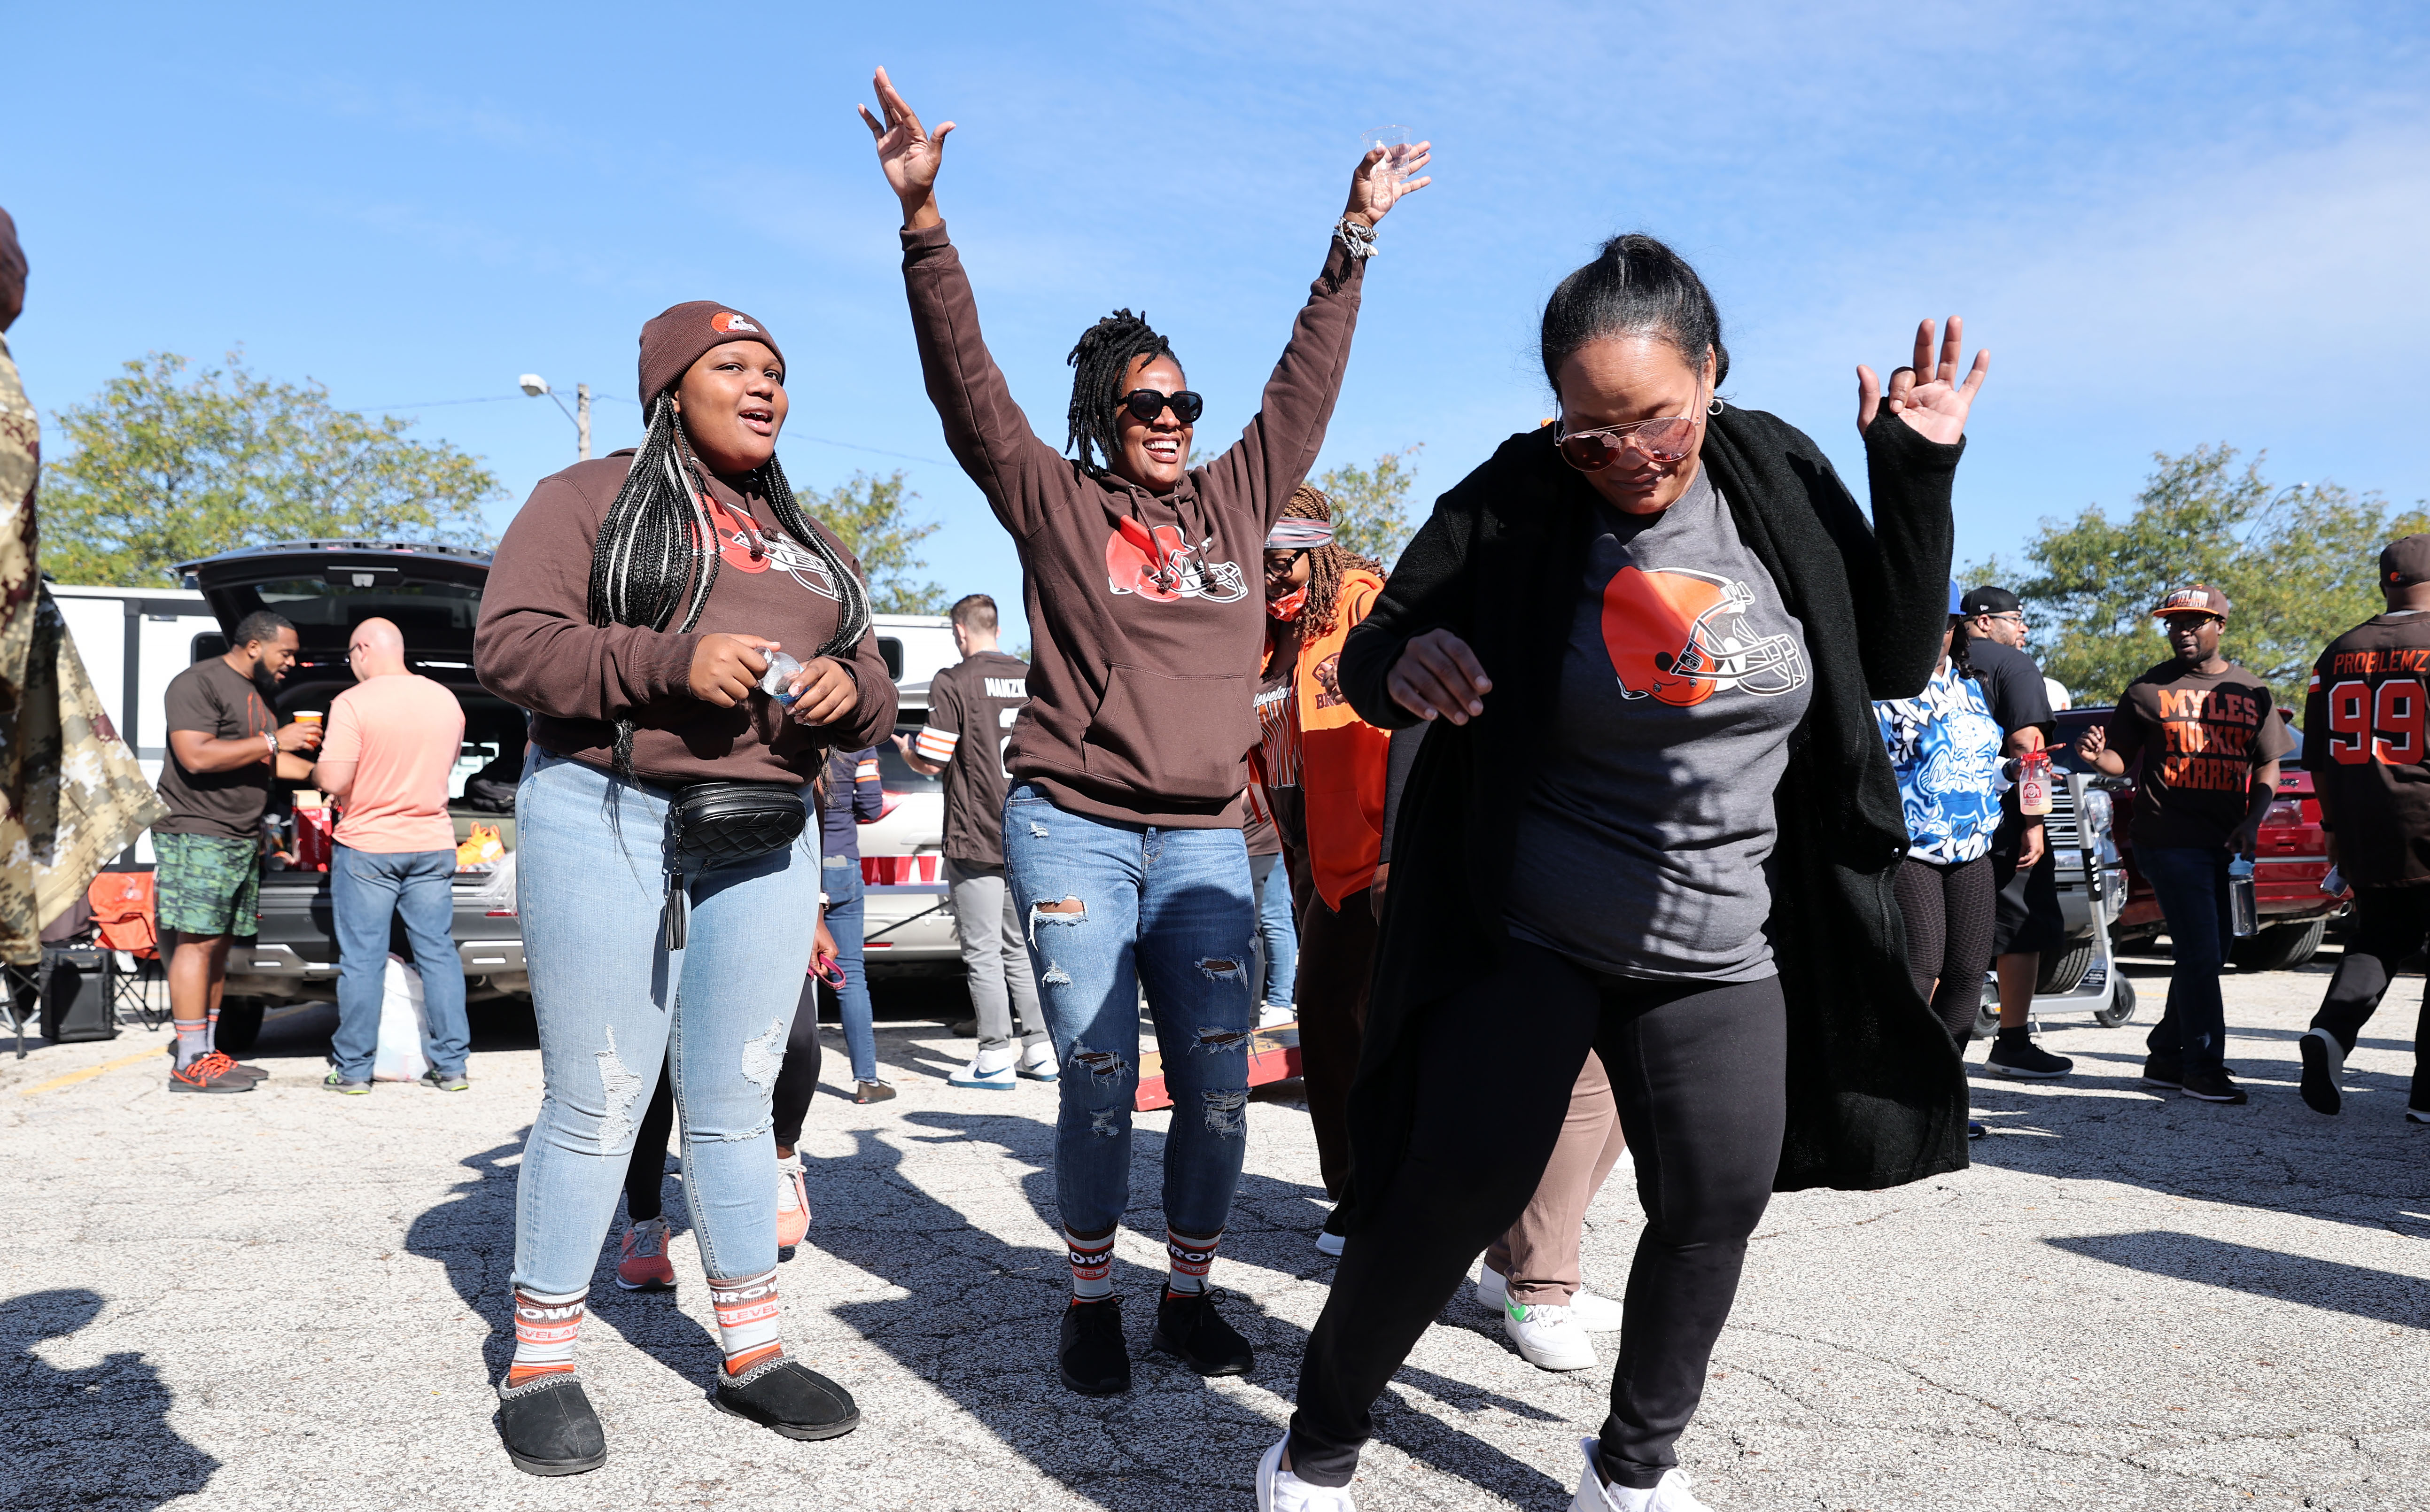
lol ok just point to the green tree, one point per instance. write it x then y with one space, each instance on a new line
1371 505
165 466
872 515
2299 565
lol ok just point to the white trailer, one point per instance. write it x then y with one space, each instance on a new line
135 640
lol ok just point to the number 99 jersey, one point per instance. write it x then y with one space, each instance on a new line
2364 744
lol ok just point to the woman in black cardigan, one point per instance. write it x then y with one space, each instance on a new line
1661 624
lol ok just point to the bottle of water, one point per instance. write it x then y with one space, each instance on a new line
2243 913
775 682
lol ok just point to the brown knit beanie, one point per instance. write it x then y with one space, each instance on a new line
680 336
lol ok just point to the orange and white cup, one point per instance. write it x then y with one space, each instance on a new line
310 717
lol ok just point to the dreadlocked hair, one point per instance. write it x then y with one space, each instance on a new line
657 550
1099 366
1326 564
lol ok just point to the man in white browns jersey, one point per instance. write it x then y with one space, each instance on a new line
972 706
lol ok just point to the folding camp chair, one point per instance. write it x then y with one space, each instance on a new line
125 921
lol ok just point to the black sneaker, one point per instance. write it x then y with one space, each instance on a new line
2417 1115
2022 1058
785 1395
2325 1061
1974 1129
2163 1071
1189 1329
549 1428
1095 1360
2211 1085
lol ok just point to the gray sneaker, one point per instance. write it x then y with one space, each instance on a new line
444 1081
339 1084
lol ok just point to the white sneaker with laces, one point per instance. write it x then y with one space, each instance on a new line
1670 1495
1274 1015
1279 1491
1548 1337
989 1070
1596 1315
793 1203
1037 1059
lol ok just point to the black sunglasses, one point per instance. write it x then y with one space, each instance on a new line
1146 404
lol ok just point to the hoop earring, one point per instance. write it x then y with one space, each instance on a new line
1716 406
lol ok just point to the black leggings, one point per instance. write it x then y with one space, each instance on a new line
646 1177
1699 1069
1949 914
2392 925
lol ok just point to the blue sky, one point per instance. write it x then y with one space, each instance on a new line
2171 224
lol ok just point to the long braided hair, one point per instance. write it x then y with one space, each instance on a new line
657 550
1326 564
1100 363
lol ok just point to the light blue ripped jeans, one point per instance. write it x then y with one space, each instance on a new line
1169 909
610 1001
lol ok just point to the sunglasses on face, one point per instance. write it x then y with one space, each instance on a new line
1661 441
1146 404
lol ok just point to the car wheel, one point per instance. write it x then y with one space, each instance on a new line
1987 1019
2280 947
2121 1005
240 1024
2062 971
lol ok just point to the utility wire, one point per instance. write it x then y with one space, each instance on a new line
497 398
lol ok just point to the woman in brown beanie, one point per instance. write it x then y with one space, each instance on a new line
634 607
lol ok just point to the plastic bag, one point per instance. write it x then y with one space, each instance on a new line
403 1023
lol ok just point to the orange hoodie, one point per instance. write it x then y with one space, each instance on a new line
1342 757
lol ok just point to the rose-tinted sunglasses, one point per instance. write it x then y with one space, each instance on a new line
1146 404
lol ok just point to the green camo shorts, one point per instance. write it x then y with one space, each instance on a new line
207 884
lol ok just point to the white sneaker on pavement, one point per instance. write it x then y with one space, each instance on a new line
793 1203
989 1070
1274 1015
1279 1491
1548 1337
1670 1495
1596 1315
1037 1059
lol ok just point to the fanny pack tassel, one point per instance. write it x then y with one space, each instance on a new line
675 920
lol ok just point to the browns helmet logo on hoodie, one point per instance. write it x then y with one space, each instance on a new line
1158 565
1680 636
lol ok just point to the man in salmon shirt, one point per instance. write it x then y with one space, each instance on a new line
392 742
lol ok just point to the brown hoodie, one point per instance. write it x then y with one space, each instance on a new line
537 648
1146 613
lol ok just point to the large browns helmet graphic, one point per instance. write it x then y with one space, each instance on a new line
1157 564
1681 637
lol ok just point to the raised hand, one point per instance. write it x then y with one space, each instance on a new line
1935 407
908 152
1373 196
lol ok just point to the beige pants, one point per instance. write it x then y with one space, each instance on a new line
1539 1254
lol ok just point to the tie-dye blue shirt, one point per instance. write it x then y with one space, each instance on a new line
1945 747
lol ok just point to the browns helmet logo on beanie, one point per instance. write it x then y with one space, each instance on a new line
683 333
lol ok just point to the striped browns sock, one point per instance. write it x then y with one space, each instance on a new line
1092 1265
193 1040
545 1328
747 1319
1189 1257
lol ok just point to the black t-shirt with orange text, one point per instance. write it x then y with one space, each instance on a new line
2200 735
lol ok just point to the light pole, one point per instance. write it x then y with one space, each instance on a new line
534 385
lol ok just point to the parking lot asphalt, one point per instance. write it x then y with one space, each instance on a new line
293 1299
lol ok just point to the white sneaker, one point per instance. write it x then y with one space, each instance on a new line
1548 1337
1279 1491
1670 1495
1274 1015
989 1070
1037 1059
1596 1315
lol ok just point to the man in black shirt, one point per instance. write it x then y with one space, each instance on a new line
972 706
2027 921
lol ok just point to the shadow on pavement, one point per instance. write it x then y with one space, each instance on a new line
2380 1296
93 1438
981 1315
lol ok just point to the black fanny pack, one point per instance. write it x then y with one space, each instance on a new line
711 824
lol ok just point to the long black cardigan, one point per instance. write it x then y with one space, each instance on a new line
1876 1091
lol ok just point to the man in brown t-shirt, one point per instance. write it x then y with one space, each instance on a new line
2209 742
226 745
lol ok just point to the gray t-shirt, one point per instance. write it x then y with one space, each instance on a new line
1643 846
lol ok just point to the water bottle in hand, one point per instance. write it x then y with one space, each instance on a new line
776 682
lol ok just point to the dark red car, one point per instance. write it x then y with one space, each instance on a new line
2289 863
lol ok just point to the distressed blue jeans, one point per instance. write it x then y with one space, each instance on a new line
614 1006
1170 911
366 890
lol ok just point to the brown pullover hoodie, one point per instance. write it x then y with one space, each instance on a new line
1147 612
536 647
